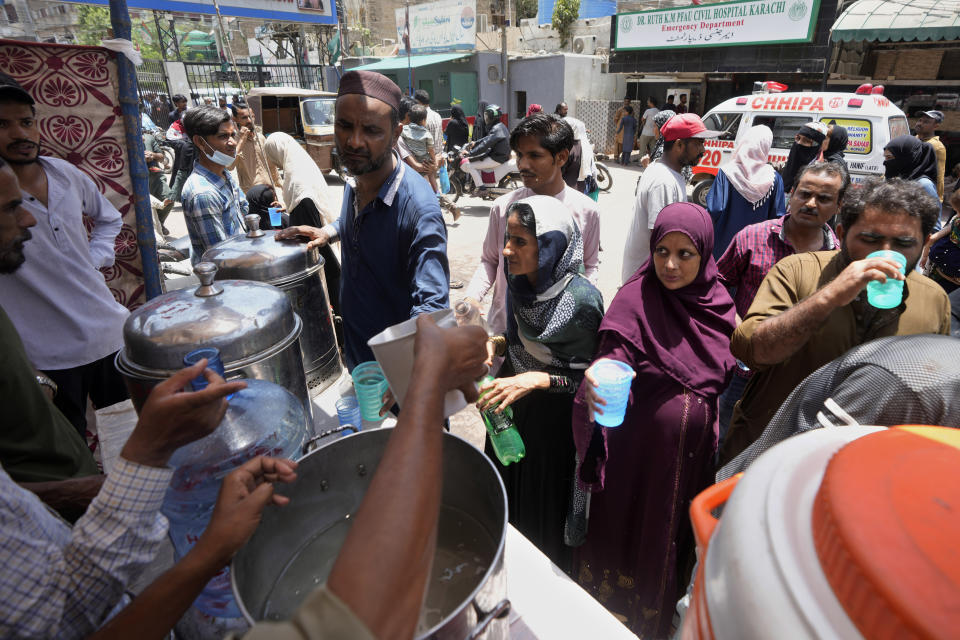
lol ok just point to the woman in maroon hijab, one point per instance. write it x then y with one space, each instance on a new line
672 323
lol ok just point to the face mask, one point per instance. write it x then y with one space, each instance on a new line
218 157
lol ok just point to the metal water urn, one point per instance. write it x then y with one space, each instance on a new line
298 272
252 324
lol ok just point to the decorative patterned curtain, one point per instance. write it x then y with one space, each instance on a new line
78 112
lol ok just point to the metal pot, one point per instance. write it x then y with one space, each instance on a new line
290 267
331 482
252 324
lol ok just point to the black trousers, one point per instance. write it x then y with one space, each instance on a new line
306 212
98 380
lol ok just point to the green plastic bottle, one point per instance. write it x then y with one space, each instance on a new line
506 440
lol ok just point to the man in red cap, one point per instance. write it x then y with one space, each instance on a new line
393 240
662 184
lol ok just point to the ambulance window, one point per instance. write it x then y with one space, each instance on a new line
728 123
859 133
899 127
784 128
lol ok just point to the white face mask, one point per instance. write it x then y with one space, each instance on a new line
218 157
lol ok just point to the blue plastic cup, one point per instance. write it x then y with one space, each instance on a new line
275 219
348 412
889 294
370 385
212 354
614 379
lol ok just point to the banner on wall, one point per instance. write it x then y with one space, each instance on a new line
588 9
439 26
309 11
725 24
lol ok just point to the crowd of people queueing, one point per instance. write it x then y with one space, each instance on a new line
732 306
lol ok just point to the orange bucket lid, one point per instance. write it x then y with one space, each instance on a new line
886 524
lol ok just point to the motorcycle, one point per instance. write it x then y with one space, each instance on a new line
503 179
604 178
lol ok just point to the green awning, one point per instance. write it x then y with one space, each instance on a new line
898 20
400 62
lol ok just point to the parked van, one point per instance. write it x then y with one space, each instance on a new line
870 118
305 114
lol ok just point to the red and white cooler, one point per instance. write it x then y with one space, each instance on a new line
849 532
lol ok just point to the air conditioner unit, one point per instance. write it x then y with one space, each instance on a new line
585 44
483 23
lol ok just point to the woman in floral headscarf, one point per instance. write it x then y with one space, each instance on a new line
553 314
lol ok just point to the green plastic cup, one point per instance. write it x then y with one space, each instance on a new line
370 385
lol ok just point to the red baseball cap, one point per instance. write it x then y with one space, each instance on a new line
686 125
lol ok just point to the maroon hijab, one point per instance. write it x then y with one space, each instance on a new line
686 332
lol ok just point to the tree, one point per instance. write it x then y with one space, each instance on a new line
526 9
565 13
94 26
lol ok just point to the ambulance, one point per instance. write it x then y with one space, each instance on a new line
870 118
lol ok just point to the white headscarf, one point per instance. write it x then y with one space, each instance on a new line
302 178
587 164
749 172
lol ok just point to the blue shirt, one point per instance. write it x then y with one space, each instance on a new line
213 207
394 259
731 212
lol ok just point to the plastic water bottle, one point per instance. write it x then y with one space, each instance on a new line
506 440
263 419
468 315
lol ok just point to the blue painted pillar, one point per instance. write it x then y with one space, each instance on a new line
129 105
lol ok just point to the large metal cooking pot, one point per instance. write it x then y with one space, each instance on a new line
294 548
297 272
252 324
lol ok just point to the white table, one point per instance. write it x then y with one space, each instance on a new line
549 604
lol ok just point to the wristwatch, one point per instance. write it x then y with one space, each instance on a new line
45 381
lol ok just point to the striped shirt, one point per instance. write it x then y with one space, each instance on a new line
753 252
59 582
213 207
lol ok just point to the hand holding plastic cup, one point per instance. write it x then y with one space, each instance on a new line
614 379
214 363
370 385
275 219
889 294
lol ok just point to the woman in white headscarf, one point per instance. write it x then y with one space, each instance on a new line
304 188
747 190
307 198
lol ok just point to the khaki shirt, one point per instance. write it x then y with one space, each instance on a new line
925 309
322 616
941 152
250 167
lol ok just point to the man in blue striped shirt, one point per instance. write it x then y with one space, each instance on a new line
213 205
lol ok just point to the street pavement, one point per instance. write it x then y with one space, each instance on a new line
464 245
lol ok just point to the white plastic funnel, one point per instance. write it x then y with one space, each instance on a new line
393 349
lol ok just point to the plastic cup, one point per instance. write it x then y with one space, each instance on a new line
889 294
614 379
212 354
393 349
348 412
370 385
275 219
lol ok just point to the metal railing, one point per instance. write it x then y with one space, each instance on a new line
208 79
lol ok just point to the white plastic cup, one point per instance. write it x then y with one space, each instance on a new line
614 379
393 349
